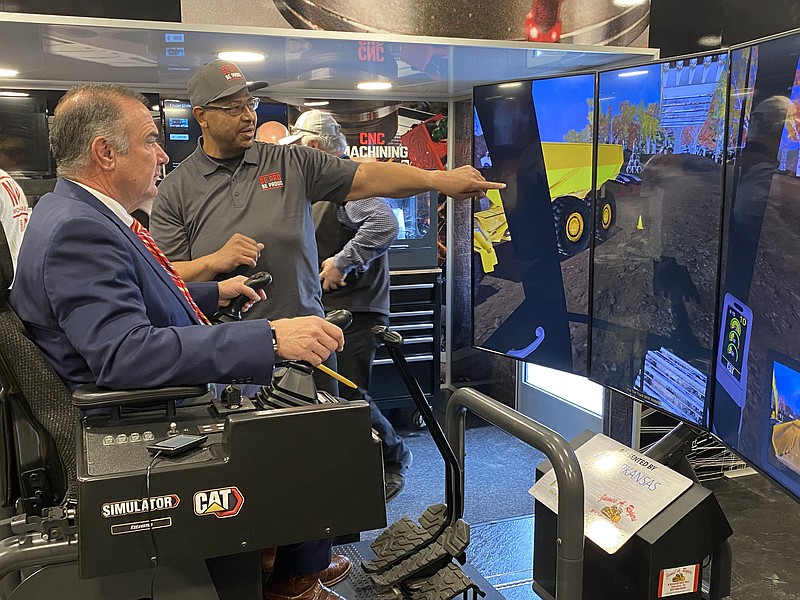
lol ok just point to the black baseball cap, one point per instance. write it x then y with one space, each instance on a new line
219 79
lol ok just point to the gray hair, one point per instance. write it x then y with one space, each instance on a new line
336 145
83 114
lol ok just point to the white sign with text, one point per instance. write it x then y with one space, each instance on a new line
623 490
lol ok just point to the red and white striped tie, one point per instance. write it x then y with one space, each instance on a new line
151 245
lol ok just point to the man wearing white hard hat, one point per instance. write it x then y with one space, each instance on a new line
353 240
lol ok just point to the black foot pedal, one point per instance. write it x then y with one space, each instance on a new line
446 583
433 517
452 543
403 537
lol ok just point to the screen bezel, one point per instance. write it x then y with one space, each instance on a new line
42 109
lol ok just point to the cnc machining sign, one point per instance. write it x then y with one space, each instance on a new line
623 490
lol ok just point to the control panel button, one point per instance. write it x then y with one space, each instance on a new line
147 436
108 440
122 439
135 437
211 428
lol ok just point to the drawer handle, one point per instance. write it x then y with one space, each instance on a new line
418 340
412 286
411 326
417 358
411 313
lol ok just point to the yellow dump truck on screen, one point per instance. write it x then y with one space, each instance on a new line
569 178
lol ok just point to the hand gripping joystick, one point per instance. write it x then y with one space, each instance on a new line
233 312
293 380
341 318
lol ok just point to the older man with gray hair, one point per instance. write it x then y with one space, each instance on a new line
104 304
353 240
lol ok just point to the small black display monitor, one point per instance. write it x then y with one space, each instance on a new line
181 130
24 145
530 266
655 261
417 220
756 407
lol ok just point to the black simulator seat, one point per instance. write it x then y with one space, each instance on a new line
91 514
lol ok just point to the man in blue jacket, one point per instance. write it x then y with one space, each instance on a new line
104 305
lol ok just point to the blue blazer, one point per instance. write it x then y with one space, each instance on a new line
103 310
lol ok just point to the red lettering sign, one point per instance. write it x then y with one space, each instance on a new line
372 138
370 51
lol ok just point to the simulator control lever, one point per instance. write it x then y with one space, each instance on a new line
293 380
340 317
233 312
390 339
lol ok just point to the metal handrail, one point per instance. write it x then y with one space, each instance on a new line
569 566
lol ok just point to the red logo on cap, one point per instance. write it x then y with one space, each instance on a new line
271 181
230 72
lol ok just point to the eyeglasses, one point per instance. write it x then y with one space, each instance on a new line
235 110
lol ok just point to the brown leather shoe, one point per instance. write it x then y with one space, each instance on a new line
338 569
300 588
268 559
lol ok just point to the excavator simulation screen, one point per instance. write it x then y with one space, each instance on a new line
756 406
655 262
531 240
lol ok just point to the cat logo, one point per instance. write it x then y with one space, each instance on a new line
221 502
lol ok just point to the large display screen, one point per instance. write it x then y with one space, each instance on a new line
655 274
531 240
756 408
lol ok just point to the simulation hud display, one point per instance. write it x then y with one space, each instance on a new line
531 240
655 273
756 408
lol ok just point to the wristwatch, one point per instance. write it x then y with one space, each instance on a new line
274 342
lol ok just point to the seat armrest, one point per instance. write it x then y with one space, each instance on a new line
90 396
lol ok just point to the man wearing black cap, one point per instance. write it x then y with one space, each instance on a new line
231 185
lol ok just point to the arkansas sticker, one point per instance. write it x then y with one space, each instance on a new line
270 181
679 580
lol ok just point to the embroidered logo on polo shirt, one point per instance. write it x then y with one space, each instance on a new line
230 72
270 181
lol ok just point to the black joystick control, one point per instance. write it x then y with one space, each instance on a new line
340 317
293 380
233 312
391 339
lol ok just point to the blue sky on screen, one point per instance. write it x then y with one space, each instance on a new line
788 383
633 84
561 105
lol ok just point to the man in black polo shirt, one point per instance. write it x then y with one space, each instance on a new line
232 186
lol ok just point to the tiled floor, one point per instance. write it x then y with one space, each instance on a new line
500 470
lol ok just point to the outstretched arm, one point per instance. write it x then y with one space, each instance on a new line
397 180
